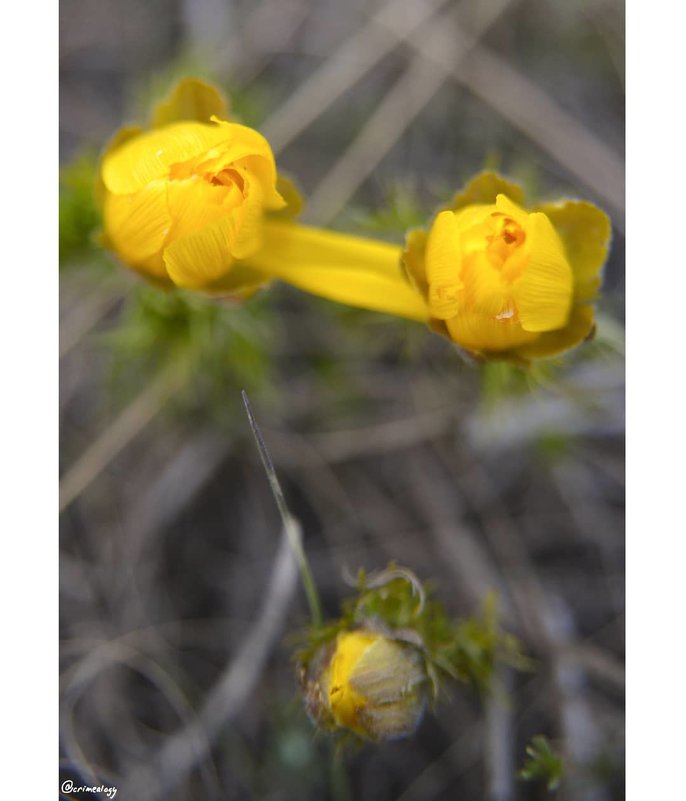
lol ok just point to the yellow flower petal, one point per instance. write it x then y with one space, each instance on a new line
585 231
345 701
191 99
471 222
154 270
543 293
150 156
376 686
195 203
347 269
510 209
245 221
137 224
118 139
443 263
197 260
485 292
262 169
484 335
237 142
580 327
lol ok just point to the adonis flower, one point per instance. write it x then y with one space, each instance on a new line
196 202
368 683
505 282
184 201
373 672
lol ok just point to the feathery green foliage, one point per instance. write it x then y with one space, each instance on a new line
78 214
393 600
543 763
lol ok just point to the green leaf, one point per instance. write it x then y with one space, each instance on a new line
543 763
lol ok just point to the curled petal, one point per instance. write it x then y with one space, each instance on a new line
151 155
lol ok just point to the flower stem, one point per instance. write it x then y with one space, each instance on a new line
340 780
290 523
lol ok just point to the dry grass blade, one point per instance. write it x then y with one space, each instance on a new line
85 317
384 128
79 678
598 663
555 131
459 756
402 103
118 434
489 77
499 751
268 28
550 625
189 747
395 435
356 56
531 110
459 546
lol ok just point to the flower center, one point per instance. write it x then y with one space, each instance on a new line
227 177
506 237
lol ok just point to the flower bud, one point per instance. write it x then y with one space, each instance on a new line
183 203
502 281
366 682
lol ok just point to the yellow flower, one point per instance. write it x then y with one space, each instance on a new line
368 683
504 282
196 202
185 201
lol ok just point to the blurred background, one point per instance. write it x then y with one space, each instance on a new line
389 445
